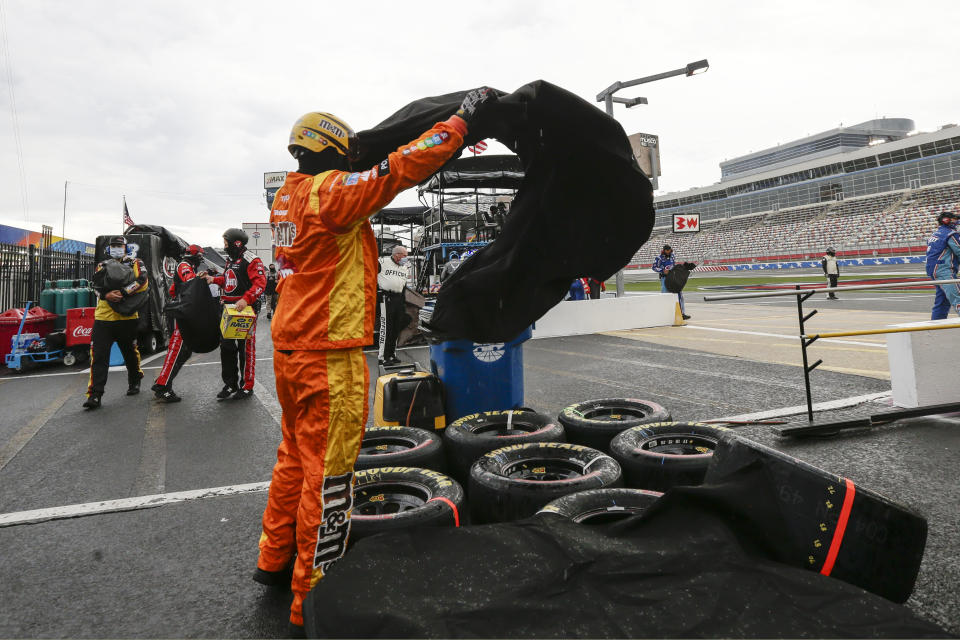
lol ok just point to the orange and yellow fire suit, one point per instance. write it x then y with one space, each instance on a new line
327 259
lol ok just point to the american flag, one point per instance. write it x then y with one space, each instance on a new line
127 220
480 147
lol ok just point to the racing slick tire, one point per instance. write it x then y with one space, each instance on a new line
401 447
659 456
602 506
391 498
517 481
595 423
472 436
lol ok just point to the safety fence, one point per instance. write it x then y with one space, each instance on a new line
24 269
807 339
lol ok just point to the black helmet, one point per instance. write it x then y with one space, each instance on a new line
666 247
830 251
236 242
947 214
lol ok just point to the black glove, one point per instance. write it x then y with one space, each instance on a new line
474 101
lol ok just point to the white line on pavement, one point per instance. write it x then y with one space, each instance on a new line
878 345
120 368
125 504
269 401
802 408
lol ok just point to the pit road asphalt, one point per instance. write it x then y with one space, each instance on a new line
182 570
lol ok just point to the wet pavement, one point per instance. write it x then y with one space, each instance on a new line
182 569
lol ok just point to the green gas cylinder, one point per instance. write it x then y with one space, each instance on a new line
58 301
85 297
48 300
69 299
64 284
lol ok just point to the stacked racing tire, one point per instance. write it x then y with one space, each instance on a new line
517 481
659 456
595 423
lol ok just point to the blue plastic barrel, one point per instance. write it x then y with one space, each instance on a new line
479 377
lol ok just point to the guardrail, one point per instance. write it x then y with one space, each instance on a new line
808 339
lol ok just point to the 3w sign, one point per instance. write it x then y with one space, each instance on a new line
686 223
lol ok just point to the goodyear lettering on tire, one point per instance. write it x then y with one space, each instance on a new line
369 476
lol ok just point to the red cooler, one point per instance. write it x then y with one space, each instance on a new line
79 325
38 321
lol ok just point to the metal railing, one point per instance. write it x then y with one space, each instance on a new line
808 339
24 269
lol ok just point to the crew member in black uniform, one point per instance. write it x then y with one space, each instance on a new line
271 291
392 280
109 325
177 350
242 283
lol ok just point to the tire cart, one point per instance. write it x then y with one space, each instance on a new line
27 349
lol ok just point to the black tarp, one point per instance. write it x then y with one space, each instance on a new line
584 206
399 215
676 278
704 561
478 172
197 314
173 246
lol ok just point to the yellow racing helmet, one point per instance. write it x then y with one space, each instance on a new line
318 131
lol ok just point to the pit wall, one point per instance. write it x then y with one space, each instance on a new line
579 317
801 264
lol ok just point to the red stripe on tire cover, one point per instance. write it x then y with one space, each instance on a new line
456 514
851 490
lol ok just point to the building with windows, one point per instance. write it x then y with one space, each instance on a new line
867 190
837 164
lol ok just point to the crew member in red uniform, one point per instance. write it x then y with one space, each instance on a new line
327 258
242 283
177 350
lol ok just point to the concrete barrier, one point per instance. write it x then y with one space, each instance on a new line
578 317
923 364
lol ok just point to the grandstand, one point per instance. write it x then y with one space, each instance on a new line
865 190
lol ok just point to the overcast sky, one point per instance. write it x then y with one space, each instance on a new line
181 106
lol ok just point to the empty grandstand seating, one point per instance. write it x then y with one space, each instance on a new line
893 222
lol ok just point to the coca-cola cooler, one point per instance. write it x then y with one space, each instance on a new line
79 330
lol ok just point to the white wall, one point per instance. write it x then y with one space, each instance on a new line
578 317
923 364
260 241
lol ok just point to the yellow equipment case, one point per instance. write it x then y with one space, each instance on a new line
409 398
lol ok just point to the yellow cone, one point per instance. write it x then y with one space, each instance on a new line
678 320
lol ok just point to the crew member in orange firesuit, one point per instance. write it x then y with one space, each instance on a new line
177 350
327 258
242 284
